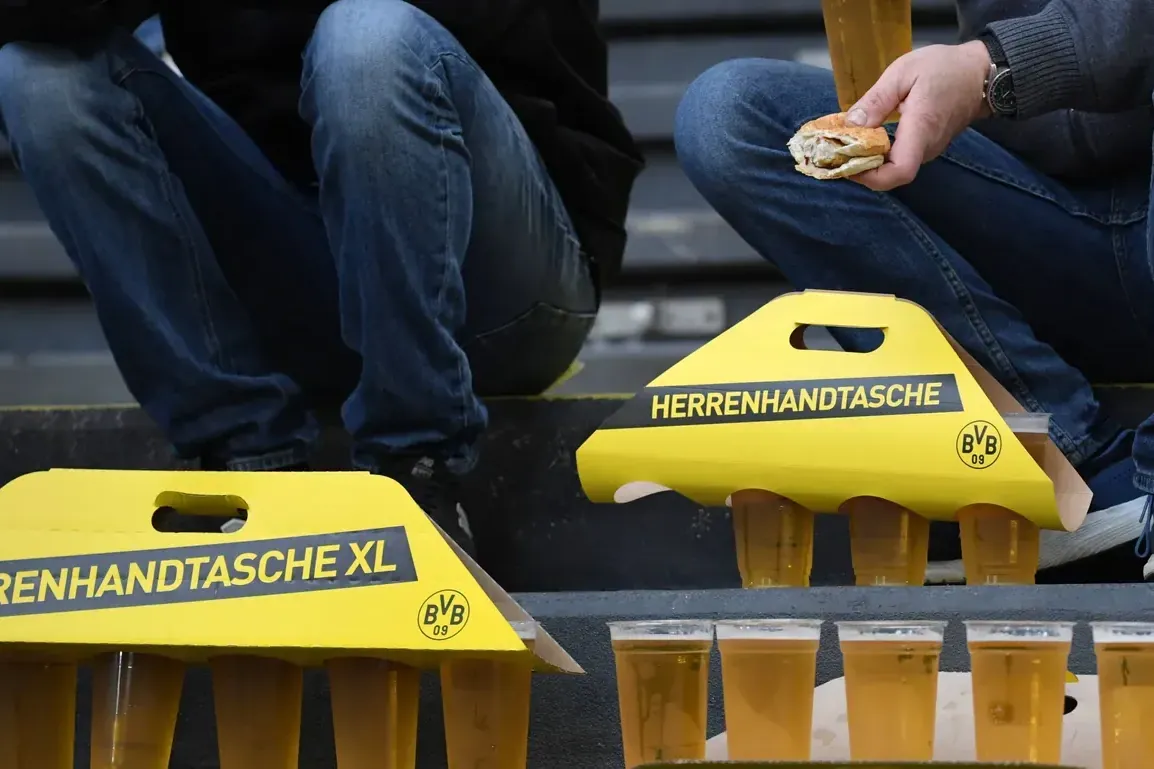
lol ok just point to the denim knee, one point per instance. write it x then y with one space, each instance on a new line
738 107
363 54
44 99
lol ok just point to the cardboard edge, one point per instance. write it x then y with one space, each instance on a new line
1071 493
546 648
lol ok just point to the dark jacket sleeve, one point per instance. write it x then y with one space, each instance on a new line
52 21
1089 55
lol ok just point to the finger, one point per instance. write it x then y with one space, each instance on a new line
885 178
880 101
915 135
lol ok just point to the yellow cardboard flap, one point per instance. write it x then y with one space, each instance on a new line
327 564
911 421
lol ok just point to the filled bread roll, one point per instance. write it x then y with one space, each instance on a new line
827 148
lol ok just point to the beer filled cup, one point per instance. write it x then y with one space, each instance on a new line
1000 547
258 711
375 704
774 538
889 544
486 707
865 37
891 688
1019 683
768 670
37 714
1125 652
135 700
662 688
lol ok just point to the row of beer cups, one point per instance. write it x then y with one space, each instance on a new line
768 669
890 544
136 696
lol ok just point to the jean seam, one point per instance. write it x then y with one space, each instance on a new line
216 350
1118 241
438 82
569 233
1113 218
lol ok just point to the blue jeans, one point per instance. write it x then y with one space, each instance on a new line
434 262
1048 285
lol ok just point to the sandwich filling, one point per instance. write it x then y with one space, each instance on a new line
821 150
827 148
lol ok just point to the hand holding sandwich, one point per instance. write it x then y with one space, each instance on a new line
938 90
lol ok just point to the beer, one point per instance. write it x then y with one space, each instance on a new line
865 37
662 688
37 714
1019 682
1125 652
774 538
135 699
1032 431
1000 547
768 670
891 686
486 707
375 705
258 712
889 544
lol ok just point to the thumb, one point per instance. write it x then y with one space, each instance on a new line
881 100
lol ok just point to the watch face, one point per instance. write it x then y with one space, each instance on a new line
1002 99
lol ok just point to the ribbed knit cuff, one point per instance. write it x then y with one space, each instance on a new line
1043 60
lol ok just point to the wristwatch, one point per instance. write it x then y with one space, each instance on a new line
998 90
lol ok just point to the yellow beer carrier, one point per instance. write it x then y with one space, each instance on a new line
335 569
911 432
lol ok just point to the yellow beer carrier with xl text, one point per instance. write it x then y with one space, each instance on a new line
912 431
342 570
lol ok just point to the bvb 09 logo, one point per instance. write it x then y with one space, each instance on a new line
979 445
443 615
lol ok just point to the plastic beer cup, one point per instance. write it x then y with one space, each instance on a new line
375 705
865 37
258 711
891 686
889 544
768 670
1125 652
1019 683
37 715
774 538
1000 547
662 688
135 700
486 707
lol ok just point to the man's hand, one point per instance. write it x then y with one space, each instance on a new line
938 90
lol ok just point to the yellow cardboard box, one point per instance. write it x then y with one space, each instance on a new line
326 565
917 421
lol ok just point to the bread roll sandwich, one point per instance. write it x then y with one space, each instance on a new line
827 148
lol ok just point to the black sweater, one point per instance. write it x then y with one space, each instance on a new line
546 57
